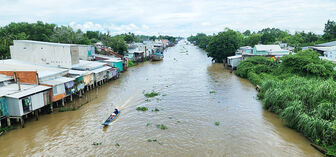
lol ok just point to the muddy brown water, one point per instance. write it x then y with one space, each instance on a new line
184 80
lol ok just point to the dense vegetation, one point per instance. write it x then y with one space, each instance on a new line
301 89
40 31
225 43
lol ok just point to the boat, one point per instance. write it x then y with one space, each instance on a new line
157 56
110 119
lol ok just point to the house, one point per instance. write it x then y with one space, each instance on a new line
329 55
98 69
269 50
23 99
45 53
111 61
244 50
321 48
61 88
39 75
234 61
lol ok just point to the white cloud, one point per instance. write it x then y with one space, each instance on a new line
176 17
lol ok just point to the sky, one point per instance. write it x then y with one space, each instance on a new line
173 17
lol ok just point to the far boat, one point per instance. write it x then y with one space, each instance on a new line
158 53
157 57
112 117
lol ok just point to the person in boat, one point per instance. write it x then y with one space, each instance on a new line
116 111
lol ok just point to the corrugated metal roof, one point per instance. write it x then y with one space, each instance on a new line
105 68
87 65
42 70
234 57
324 48
79 72
41 42
328 44
12 90
5 78
28 92
57 81
268 48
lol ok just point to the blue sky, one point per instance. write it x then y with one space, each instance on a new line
173 17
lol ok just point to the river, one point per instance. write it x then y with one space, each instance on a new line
194 94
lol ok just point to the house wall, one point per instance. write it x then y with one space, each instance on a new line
3 107
118 65
37 101
57 92
14 107
50 54
100 76
24 76
86 52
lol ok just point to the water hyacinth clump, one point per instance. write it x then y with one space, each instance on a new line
142 109
152 94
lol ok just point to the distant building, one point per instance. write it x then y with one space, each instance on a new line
329 55
269 50
55 54
244 50
321 48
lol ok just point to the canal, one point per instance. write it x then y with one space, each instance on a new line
194 94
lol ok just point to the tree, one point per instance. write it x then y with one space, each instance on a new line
330 30
117 43
247 33
224 44
252 40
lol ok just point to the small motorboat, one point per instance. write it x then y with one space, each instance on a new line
112 117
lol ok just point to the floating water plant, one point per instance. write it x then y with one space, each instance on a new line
96 143
152 94
216 123
117 145
161 126
142 109
148 124
212 92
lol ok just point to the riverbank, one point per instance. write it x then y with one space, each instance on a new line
301 90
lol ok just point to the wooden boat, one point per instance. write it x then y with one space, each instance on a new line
110 119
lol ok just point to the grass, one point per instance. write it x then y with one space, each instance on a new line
131 64
151 95
301 89
6 129
212 92
162 127
65 109
216 123
142 109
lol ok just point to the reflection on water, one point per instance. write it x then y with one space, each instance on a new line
184 80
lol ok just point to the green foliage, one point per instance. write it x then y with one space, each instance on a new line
217 123
212 92
131 64
117 43
117 145
152 94
330 30
142 109
301 89
4 130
